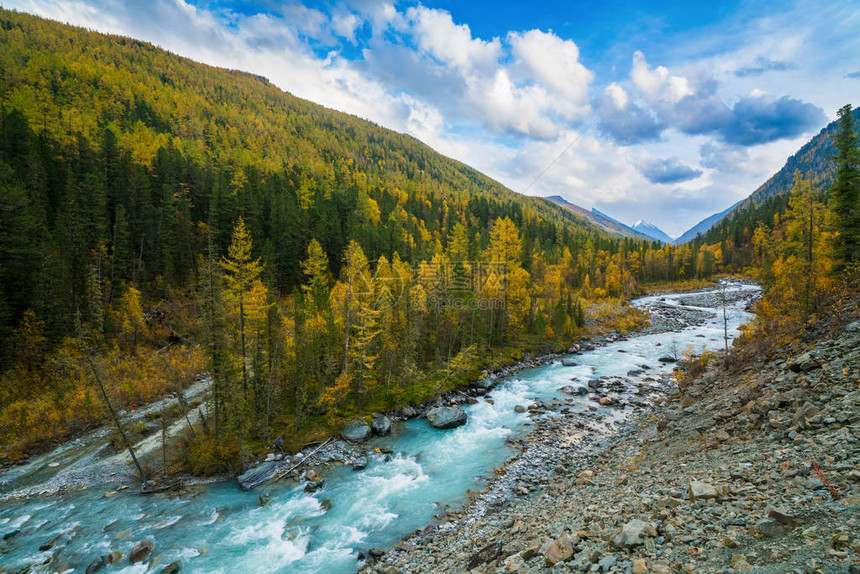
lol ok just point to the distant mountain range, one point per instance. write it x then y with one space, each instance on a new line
652 231
641 230
813 160
600 219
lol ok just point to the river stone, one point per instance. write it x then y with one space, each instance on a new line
356 431
569 362
256 476
313 486
559 551
140 552
114 557
667 359
172 568
632 533
360 463
97 564
519 409
380 424
574 389
446 417
12 534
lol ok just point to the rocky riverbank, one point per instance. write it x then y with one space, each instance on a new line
754 470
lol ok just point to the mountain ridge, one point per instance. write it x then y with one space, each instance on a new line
652 231
812 159
601 220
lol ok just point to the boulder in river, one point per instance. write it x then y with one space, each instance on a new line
579 389
356 431
97 565
380 424
360 463
446 417
667 359
172 568
256 476
569 363
140 552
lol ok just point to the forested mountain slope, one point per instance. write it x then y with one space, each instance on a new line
314 263
814 160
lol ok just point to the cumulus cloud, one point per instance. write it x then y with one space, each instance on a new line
694 108
554 63
668 171
762 65
658 85
529 84
451 43
760 119
624 121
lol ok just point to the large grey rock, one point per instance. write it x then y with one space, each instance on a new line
560 550
769 528
356 431
380 424
486 554
447 417
784 516
703 491
633 533
667 359
804 363
806 411
256 476
569 362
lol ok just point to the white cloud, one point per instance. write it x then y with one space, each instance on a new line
658 85
451 43
555 64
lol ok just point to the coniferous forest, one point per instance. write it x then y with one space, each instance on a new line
163 219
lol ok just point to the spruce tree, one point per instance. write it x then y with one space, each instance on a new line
845 194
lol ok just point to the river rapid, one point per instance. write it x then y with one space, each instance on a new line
217 527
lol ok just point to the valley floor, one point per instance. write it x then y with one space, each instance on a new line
757 470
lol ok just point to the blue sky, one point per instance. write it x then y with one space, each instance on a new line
669 111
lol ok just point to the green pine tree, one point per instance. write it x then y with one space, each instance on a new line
845 194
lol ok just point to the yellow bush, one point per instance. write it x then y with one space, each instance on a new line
207 457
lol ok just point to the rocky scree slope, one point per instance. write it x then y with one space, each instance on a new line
755 470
